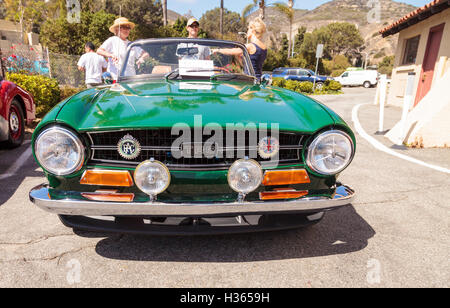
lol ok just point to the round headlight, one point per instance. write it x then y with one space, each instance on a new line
330 152
59 151
245 175
152 177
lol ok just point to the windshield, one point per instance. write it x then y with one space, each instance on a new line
185 58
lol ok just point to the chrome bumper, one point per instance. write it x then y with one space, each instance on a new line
40 196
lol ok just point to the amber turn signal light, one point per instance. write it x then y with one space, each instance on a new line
111 197
117 178
276 195
285 177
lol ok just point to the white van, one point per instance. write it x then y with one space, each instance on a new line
365 78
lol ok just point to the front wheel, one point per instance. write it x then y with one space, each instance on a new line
319 86
16 125
367 84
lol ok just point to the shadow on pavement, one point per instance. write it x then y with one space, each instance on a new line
10 184
341 231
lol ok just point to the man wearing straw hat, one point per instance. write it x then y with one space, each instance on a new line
115 49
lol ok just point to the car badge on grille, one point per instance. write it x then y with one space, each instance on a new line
268 147
128 147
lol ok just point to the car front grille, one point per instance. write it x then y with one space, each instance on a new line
157 143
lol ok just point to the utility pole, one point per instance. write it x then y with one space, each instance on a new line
221 18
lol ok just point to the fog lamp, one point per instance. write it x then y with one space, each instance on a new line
245 175
152 177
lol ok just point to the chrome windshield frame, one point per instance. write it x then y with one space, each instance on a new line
139 43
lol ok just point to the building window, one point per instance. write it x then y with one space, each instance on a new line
411 47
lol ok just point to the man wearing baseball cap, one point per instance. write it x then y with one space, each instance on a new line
204 53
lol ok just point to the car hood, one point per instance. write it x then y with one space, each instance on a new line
156 104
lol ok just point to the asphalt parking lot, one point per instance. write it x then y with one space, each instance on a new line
396 233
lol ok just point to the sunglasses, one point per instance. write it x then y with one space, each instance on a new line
194 26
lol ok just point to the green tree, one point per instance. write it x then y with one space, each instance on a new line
30 13
232 24
387 65
299 37
337 38
344 38
60 36
147 14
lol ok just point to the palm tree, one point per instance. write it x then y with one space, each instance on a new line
288 11
249 9
164 7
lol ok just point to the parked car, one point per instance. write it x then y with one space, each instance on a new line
365 78
299 74
17 109
191 147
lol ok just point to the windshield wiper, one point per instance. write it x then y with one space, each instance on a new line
232 76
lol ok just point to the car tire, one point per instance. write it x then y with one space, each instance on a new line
367 84
16 123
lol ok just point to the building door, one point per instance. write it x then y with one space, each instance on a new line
429 62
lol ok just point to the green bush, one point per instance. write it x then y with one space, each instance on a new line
279 82
292 85
45 91
333 85
68 91
305 87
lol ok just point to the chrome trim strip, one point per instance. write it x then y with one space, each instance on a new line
40 197
224 149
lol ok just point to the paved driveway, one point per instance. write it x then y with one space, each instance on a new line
395 234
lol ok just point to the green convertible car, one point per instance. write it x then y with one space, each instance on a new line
187 142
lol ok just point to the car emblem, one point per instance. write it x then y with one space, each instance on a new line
268 147
128 147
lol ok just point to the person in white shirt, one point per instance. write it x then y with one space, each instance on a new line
204 53
93 65
115 49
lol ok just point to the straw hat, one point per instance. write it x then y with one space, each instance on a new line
122 21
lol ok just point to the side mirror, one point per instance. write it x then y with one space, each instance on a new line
266 80
107 78
309 75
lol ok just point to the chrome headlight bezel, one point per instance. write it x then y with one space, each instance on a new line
316 142
79 147
164 172
232 174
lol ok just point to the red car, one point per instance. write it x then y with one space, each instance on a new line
17 109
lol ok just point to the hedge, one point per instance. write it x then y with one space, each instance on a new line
45 91
329 87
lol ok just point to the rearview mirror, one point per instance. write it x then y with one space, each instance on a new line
188 51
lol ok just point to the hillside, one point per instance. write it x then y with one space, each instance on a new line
354 11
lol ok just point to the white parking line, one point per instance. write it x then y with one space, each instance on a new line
383 148
19 162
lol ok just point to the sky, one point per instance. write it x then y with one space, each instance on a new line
198 7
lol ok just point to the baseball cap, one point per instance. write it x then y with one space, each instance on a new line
192 21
